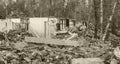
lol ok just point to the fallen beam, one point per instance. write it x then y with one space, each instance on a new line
51 41
87 61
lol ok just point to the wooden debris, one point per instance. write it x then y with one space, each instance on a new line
20 45
61 32
72 36
51 41
87 61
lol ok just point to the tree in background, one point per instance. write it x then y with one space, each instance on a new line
91 11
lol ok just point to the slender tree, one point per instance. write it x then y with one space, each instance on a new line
95 18
101 16
110 19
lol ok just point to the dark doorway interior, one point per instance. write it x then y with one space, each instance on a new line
67 22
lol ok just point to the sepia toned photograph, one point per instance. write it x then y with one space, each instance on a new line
59 31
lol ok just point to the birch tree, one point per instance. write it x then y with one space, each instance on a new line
101 16
109 21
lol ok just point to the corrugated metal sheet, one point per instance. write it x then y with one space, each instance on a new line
15 23
2 26
41 27
5 25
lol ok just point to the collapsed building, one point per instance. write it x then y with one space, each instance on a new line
39 27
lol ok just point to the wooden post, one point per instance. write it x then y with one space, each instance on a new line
62 24
45 29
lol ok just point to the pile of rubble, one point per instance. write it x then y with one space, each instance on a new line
36 54
49 54
21 52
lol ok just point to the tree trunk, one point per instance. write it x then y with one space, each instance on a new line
109 22
101 17
96 19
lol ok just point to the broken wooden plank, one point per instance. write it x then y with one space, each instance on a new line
87 61
61 32
20 45
51 41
